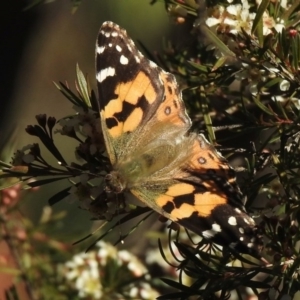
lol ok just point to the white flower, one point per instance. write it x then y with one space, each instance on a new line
283 3
217 16
233 18
284 85
237 17
106 251
133 264
269 23
86 273
83 270
88 285
240 17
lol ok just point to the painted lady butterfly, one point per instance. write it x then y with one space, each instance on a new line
153 155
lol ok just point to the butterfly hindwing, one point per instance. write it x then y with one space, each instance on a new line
203 196
215 209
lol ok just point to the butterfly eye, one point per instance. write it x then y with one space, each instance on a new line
202 160
167 110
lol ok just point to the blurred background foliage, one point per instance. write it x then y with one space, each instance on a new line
238 63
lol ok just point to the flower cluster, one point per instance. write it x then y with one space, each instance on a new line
108 274
236 18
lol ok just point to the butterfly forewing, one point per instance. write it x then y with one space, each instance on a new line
131 88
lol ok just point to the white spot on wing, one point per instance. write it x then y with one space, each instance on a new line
212 232
152 64
137 59
216 227
129 48
107 34
103 74
241 230
123 60
118 48
208 233
232 221
246 221
100 49
110 44
237 210
114 34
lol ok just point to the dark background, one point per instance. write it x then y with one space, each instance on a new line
15 28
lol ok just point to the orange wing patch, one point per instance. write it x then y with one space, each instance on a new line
182 200
127 104
132 91
172 109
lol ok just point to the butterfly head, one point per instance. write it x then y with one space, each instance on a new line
115 182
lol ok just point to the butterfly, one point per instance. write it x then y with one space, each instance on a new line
153 154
